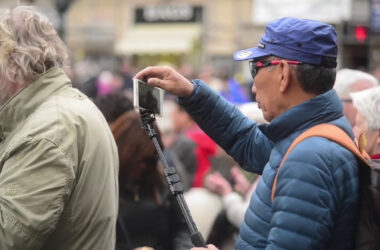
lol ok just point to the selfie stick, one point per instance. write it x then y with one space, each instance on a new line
175 184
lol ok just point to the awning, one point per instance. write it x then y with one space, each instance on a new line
158 39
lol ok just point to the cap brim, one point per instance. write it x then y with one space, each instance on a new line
249 54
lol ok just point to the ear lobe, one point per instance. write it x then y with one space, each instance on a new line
285 76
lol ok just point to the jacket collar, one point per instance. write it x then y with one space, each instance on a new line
26 101
323 108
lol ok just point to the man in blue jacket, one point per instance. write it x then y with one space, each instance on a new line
316 199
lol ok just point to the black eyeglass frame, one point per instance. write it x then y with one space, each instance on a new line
254 66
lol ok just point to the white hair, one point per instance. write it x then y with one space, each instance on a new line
367 102
29 45
345 78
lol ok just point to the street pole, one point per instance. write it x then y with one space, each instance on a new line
62 6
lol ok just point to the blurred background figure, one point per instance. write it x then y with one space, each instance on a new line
187 70
147 210
231 89
207 74
113 105
235 195
367 120
109 82
179 149
349 81
86 73
192 146
127 71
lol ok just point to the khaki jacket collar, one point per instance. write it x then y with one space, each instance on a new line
27 100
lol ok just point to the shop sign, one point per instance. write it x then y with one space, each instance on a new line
168 13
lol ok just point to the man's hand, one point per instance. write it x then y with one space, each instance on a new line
241 183
168 79
209 247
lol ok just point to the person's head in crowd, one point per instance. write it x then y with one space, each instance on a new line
113 105
126 66
187 70
29 47
294 61
206 72
349 81
367 119
109 82
181 120
137 154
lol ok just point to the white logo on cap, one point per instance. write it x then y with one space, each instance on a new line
243 54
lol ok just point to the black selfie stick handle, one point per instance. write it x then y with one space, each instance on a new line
175 184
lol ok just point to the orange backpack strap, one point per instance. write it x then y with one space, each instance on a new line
326 130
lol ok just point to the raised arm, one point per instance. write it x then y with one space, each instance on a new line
222 121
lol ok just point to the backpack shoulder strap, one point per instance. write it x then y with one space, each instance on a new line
329 131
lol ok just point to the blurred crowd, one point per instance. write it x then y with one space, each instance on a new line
98 78
217 191
207 172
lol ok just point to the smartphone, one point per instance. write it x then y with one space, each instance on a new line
147 98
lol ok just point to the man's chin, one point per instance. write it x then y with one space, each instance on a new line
266 116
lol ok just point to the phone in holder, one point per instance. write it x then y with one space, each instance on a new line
147 98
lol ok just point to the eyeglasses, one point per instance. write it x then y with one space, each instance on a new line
254 66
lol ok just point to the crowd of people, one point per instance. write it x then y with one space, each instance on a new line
78 170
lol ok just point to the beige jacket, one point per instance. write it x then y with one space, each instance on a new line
58 169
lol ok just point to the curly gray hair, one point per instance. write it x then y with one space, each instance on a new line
29 45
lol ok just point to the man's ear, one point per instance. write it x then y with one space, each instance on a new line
285 76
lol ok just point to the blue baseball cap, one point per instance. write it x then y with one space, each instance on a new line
304 40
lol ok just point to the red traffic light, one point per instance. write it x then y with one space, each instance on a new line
361 33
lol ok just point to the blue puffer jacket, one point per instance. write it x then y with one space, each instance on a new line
316 200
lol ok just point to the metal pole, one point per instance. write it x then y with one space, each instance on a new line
175 184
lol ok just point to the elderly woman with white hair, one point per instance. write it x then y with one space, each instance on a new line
367 120
350 81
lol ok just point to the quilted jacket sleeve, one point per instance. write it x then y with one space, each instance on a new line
228 127
310 196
